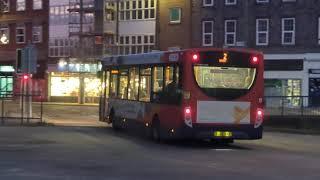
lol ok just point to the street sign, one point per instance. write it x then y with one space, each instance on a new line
29 59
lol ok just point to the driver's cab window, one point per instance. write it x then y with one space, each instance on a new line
114 83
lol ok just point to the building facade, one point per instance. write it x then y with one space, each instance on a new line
23 22
287 31
75 44
129 26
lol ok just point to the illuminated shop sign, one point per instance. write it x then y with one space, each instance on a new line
89 68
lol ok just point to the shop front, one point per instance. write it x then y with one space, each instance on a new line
6 81
74 83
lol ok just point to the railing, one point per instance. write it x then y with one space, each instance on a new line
21 110
292 106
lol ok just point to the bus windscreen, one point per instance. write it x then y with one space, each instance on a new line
224 77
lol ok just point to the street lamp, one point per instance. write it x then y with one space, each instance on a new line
4 39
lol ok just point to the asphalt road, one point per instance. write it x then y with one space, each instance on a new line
32 153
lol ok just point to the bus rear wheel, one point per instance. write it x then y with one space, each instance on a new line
114 120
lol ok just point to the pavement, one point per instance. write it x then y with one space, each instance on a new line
67 153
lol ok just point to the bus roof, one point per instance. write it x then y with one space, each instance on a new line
157 57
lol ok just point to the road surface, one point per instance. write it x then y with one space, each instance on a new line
32 153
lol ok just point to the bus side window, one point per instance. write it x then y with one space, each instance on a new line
145 85
158 79
123 84
133 83
107 83
169 75
114 83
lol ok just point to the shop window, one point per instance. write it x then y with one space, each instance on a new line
288 92
114 83
133 83
123 84
65 86
145 85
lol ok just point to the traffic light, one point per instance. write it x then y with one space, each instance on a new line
26 77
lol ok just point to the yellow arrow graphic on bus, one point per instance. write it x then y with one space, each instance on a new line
239 114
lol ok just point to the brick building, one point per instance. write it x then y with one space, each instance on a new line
287 31
23 22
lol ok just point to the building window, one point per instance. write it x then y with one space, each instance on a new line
6 5
37 34
262 32
208 3
288 31
137 10
21 5
37 4
62 47
285 90
59 15
262 1
136 44
207 33
20 34
4 35
175 15
230 2
230 32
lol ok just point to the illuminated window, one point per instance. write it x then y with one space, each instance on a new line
145 85
262 31
65 86
230 32
37 34
208 3
158 79
207 33
20 34
4 35
133 83
175 15
37 4
288 31
123 84
21 5
230 2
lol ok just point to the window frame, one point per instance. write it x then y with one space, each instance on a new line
171 21
283 31
18 35
230 33
205 4
5 28
262 32
230 2
18 8
40 33
37 8
204 33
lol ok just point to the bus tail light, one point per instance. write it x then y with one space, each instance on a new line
259 118
195 57
254 60
187 116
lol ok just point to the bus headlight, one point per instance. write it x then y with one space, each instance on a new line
187 116
259 118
